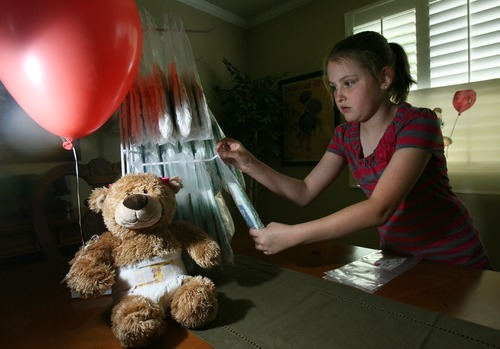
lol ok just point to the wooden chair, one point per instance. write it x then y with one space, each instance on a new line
96 173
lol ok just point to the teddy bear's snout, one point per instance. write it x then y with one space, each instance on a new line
138 211
136 202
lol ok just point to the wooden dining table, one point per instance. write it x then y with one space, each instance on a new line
38 311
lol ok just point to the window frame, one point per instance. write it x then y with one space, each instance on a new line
477 171
385 8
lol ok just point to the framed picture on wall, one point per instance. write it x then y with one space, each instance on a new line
310 119
23 140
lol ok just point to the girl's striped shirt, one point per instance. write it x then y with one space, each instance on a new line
431 222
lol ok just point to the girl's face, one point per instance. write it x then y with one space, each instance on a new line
357 93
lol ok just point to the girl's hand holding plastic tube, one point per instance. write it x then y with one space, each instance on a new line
274 238
234 153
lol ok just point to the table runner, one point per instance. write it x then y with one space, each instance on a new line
265 306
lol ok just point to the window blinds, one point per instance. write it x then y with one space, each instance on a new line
399 27
463 41
458 48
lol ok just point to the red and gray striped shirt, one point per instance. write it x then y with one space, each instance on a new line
431 222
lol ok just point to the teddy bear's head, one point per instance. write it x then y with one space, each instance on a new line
136 202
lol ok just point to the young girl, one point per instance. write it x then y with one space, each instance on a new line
395 152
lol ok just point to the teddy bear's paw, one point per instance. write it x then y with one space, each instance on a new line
137 321
90 282
195 303
208 255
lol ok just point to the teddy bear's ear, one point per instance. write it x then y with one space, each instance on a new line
175 183
96 199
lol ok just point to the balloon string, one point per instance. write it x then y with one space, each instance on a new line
452 130
68 145
78 197
454 124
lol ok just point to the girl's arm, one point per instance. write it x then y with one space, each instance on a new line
401 174
301 192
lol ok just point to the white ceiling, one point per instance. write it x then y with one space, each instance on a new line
245 13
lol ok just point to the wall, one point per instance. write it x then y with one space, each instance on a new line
225 40
296 43
209 49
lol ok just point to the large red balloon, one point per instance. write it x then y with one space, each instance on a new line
69 63
463 100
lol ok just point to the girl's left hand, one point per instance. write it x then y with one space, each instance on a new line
274 238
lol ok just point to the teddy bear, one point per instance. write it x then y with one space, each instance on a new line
139 259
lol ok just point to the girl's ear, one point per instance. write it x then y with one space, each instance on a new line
387 78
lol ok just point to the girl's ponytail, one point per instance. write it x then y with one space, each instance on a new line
402 77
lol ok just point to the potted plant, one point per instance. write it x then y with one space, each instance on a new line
252 113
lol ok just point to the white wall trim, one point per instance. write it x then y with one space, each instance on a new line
275 12
216 12
230 17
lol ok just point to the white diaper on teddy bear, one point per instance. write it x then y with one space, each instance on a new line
156 278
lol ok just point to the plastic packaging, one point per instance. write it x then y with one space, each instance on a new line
239 196
372 271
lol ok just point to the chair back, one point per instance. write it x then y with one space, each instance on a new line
96 173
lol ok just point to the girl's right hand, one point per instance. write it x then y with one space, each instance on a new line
234 153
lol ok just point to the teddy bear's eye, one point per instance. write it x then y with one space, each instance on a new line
145 191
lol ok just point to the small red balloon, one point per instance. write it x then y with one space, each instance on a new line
70 63
463 100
